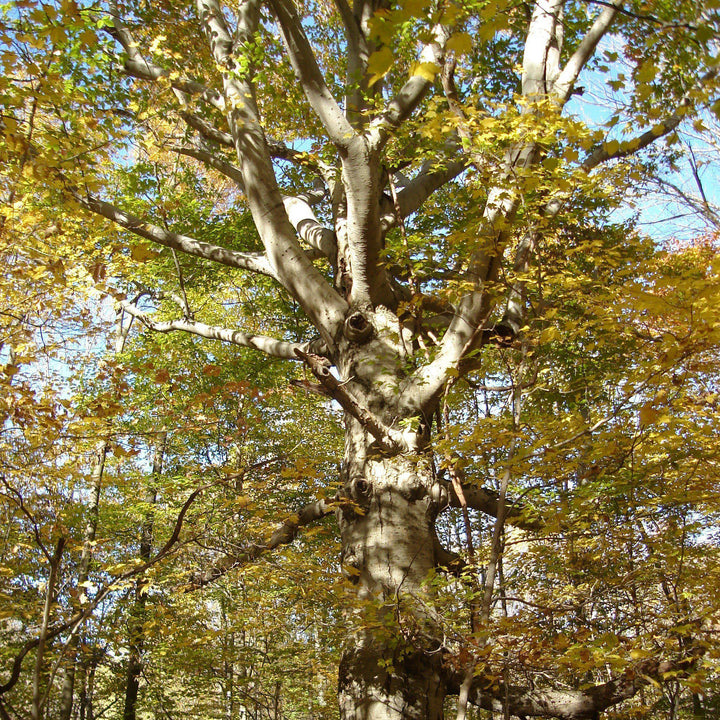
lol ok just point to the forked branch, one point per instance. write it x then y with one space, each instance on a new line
309 75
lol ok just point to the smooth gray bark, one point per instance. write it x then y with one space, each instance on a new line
387 512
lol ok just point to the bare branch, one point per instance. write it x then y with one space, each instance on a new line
486 500
254 262
542 48
359 48
227 169
270 346
217 32
390 440
283 535
570 704
700 205
431 177
308 228
289 262
308 73
207 130
299 212
661 24
565 82
302 159
660 129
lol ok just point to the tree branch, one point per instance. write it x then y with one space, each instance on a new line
254 262
283 535
412 92
565 82
222 166
308 74
270 346
568 704
660 129
662 24
302 159
289 262
110 587
431 177
486 500
390 440
138 66
298 210
542 48
308 228
208 131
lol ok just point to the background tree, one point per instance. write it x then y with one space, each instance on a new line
404 201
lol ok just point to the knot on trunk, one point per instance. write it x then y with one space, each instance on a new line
440 496
359 489
357 328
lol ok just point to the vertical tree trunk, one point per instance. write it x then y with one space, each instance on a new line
137 614
36 710
87 709
276 700
228 641
389 670
68 689
388 542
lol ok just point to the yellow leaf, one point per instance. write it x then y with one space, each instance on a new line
415 8
460 43
57 34
646 72
379 63
648 414
10 369
549 334
426 70
143 253
88 37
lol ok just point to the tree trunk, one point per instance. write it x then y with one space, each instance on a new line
68 689
36 709
390 669
137 616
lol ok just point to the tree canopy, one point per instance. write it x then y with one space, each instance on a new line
340 372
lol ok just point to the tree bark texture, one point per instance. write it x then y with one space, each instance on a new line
386 517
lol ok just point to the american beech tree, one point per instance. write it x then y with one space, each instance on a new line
405 193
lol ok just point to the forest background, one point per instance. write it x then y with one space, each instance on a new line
226 231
